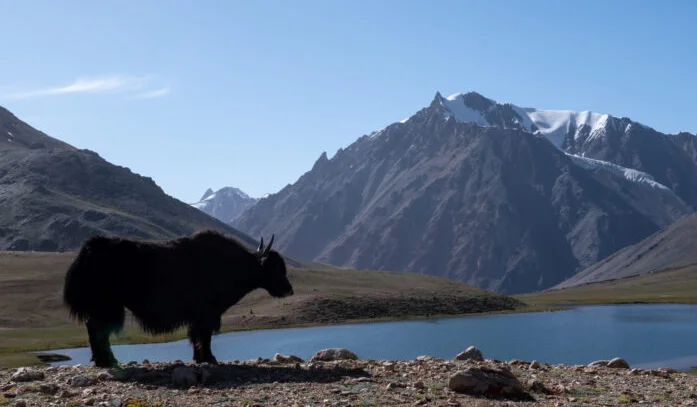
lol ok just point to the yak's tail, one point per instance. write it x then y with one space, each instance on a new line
91 286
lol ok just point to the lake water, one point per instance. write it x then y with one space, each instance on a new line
647 336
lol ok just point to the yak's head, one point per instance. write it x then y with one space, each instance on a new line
273 268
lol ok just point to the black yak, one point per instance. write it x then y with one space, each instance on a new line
190 281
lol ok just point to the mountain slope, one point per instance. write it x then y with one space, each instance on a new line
225 204
446 193
54 196
670 248
15 134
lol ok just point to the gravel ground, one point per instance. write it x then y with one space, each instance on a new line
339 378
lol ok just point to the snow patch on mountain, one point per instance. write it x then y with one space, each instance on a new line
455 106
628 173
556 124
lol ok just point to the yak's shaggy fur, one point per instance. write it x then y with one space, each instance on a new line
190 281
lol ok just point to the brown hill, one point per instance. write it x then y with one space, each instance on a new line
674 247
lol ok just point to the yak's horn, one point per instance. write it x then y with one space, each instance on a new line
261 245
268 248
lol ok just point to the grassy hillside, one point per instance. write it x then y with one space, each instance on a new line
32 316
673 285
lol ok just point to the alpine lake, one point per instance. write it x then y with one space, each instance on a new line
645 335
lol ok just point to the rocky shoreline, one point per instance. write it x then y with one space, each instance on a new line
338 377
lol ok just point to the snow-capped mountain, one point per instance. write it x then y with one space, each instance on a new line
556 125
506 198
225 204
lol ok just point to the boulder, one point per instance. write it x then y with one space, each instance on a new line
598 363
471 353
327 355
618 363
488 382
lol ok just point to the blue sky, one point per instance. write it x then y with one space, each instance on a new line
250 93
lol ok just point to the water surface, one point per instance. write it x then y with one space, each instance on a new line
646 335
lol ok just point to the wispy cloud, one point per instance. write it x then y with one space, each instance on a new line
114 83
157 93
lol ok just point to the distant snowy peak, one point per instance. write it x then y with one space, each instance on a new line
206 194
225 204
555 125
230 192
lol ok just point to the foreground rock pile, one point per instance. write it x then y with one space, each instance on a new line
338 377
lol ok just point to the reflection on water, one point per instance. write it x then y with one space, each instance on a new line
645 335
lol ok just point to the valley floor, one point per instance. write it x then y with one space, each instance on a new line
425 381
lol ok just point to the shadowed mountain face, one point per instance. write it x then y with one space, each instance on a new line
473 193
54 196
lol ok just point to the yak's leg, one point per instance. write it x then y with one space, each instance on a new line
98 334
200 338
206 352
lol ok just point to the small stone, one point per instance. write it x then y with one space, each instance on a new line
471 353
391 385
20 403
80 381
559 389
50 389
618 363
116 403
534 365
419 385
104 376
538 387
331 354
24 374
287 358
